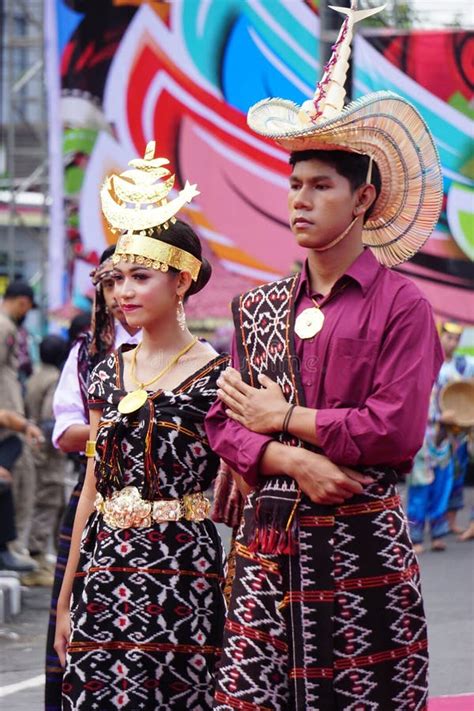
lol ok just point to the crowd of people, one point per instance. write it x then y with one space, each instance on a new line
334 391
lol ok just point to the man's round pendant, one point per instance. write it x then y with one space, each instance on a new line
309 323
132 401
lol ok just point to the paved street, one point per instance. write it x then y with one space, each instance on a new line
448 585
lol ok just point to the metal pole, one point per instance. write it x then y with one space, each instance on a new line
10 143
25 128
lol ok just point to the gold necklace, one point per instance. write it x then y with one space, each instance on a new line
133 401
311 320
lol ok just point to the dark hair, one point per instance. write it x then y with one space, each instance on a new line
102 324
53 350
79 324
181 235
107 253
352 166
19 288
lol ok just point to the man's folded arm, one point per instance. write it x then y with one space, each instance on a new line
389 427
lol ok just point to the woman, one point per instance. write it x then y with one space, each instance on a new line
146 603
108 329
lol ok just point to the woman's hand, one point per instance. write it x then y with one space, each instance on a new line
63 633
258 409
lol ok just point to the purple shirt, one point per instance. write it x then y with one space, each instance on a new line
368 372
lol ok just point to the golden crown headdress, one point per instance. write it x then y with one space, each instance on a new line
135 203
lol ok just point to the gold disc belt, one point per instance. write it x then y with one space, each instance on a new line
126 509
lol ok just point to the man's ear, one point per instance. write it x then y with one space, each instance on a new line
183 283
365 198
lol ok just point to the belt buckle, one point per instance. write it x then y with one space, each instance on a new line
196 507
167 510
126 509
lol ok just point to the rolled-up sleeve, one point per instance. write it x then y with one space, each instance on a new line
240 448
68 406
389 427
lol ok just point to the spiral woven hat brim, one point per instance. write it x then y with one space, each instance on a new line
388 128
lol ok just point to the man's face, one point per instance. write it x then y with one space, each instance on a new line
449 341
21 306
108 290
320 203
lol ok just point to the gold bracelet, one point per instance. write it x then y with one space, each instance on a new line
90 448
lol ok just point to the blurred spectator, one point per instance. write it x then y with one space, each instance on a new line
25 363
18 301
456 366
80 325
50 462
10 450
435 486
222 338
296 267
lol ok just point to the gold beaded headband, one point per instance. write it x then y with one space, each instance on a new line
135 203
152 253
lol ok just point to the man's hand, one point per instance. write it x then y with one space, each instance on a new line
33 434
322 481
259 409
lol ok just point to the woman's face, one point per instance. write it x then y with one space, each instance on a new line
145 295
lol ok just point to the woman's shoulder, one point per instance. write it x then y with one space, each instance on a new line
104 376
209 365
208 357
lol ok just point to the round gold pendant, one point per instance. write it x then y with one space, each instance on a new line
132 401
309 323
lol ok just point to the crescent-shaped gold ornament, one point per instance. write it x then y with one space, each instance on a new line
139 176
148 164
133 192
121 217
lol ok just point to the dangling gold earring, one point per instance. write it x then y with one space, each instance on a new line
180 315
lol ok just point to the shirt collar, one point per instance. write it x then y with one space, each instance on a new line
363 271
122 336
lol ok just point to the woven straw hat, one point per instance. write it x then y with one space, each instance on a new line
459 397
381 125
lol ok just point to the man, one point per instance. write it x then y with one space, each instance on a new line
17 302
50 463
326 610
10 450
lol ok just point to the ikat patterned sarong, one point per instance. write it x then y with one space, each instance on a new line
339 626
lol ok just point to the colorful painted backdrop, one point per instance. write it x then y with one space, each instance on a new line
185 74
